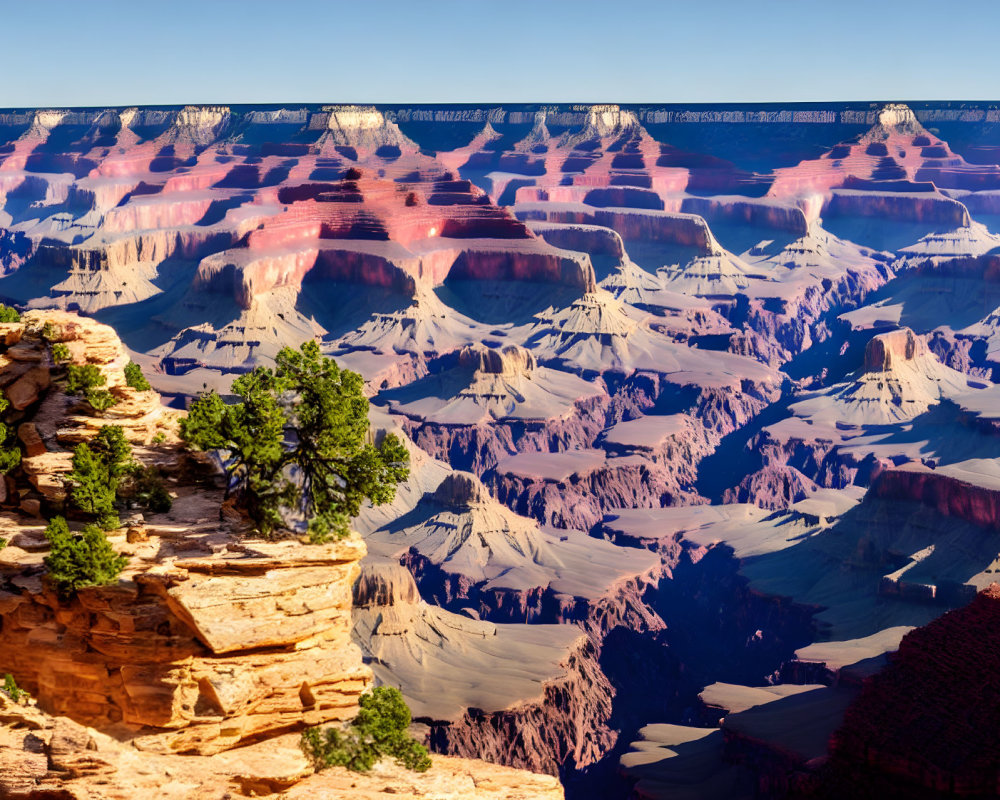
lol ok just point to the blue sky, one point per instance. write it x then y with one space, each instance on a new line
124 52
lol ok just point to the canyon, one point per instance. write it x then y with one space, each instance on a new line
702 415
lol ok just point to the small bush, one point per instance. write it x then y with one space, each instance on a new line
100 399
144 487
97 469
60 353
81 377
379 730
160 438
104 474
8 314
83 559
135 378
10 452
12 690
50 332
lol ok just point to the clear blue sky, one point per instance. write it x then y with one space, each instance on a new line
122 52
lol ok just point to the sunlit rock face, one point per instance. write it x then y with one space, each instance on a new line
700 405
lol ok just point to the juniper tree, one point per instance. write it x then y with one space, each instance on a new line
299 442
87 380
78 560
10 453
113 448
379 730
81 377
135 378
94 490
60 353
98 468
105 475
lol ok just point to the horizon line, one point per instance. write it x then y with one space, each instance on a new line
494 103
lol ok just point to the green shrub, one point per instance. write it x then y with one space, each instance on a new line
98 468
160 438
82 559
80 377
12 690
104 474
113 448
378 731
94 489
100 399
10 453
60 353
50 332
144 487
135 378
8 314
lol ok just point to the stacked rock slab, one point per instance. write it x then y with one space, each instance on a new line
44 757
196 653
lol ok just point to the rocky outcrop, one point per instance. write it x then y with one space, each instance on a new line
49 422
568 730
943 745
209 639
544 707
482 404
203 644
467 551
43 757
953 491
771 487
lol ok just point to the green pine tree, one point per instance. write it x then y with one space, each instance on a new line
81 377
299 440
10 453
79 560
114 450
94 489
135 378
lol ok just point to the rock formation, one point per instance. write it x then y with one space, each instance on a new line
942 746
700 405
43 756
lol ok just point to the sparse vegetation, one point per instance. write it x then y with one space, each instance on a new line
10 453
60 353
104 474
299 443
87 380
8 314
99 399
98 467
160 438
378 731
82 559
81 377
12 690
93 489
143 486
135 378
50 332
